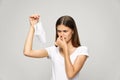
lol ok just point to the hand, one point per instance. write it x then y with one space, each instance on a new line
34 19
61 42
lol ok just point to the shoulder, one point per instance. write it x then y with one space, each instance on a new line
51 47
51 50
82 50
85 47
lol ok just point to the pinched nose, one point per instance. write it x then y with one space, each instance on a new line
61 37
61 34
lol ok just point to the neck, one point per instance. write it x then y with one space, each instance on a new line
70 48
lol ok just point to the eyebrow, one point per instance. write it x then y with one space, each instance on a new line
62 30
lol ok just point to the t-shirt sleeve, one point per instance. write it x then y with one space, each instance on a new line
83 50
50 51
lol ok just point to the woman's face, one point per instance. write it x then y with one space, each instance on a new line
65 32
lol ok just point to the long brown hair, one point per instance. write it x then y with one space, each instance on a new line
69 22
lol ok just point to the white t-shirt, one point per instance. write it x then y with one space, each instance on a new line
58 65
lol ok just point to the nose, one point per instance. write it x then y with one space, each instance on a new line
61 34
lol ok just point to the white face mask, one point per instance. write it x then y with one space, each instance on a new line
39 32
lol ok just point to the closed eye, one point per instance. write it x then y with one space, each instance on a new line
59 31
65 31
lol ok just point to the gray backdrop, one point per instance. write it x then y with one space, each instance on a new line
98 23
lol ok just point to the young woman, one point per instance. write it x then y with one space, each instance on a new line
67 54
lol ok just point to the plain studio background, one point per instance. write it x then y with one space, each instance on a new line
98 23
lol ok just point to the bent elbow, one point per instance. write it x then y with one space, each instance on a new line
26 53
70 76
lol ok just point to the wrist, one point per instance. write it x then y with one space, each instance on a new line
32 28
65 50
31 25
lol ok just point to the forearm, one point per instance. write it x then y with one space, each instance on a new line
68 64
73 69
29 40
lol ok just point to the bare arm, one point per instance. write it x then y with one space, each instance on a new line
28 51
73 69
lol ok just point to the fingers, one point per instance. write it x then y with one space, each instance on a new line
58 41
61 38
34 19
35 16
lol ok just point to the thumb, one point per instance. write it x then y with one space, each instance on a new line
63 38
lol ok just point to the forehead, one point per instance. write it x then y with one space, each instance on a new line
63 27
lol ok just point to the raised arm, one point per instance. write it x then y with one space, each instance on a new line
28 51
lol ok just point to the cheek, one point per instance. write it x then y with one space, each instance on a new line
68 36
